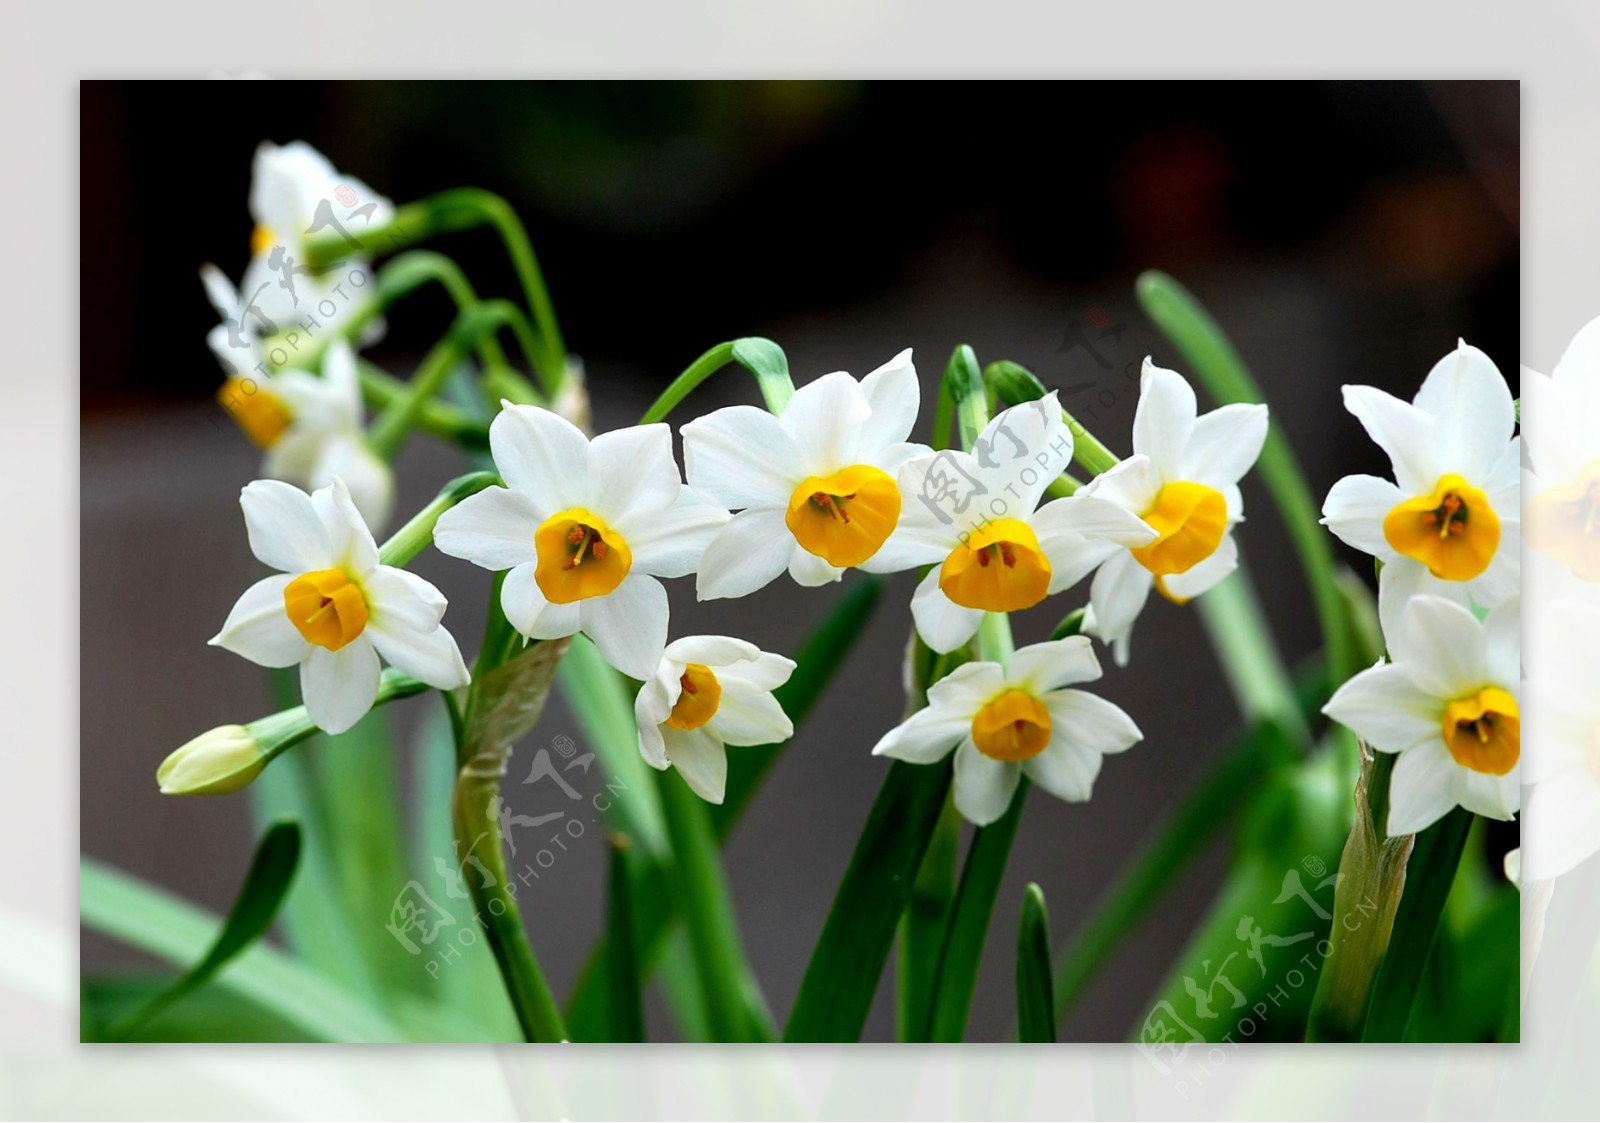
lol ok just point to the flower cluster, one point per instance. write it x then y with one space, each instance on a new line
1445 530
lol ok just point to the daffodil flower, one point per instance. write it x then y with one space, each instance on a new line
1563 488
332 608
1448 704
816 484
710 692
586 528
1183 481
972 516
1448 525
1005 722
308 428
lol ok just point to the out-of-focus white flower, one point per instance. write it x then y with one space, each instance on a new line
1561 773
710 692
1449 523
1448 704
1563 488
816 484
586 528
1005 722
1183 480
333 609
973 513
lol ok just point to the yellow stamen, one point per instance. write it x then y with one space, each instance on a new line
1190 520
579 556
702 693
1013 726
327 607
845 517
1561 521
1454 531
1483 731
259 413
998 568
262 239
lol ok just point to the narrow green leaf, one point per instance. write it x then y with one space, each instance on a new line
922 929
1430 871
969 921
1036 1002
208 1016
1232 616
622 980
265 884
154 921
836 992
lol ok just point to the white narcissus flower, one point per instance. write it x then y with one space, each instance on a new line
1449 523
1183 480
710 692
1007 722
973 514
816 484
1563 489
1561 772
586 528
1448 704
333 609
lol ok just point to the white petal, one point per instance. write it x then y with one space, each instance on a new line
1441 646
1472 405
983 786
223 297
942 495
1502 633
632 474
1043 667
542 455
1131 484
1073 557
529 612
629 624
294 456
258 628
1089 723
650 709
943 624
1403 431
1021 452
343 378
348 534
1493 797
1204 576
811 571
894 396
493 528
765 671
285 529
967 688
700 759
747 716
741 456
713 651
1402 581
430 655
1164 418
403 600
1502 580
1355 510
1225 444
1561 827
348 458
670 541
339 687
1383 707
926 736
1091 517
1422 788
1065 770
1118 594
746 554
824 419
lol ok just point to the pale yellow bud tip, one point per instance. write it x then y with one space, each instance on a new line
218 761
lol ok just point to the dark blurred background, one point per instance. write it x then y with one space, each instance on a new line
1339 231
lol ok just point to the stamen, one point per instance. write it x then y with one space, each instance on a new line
687 683
1008 555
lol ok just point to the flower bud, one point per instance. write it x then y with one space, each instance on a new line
221 760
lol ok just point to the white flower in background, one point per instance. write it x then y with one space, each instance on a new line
1448 704
710 692
333 609
295 195
1561 773
816 485
973 513
1563 489
1016 720
1183 480
1449 523
586 529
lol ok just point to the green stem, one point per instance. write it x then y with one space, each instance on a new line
448 422
761 357
1237 628
963 384
922 929
622 980
411 539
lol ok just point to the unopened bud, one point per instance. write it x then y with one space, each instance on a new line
218 761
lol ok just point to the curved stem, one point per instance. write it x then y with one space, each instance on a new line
763 358
411 539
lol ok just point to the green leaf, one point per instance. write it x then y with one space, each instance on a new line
1036 1002
209 1015
1214 361
766 360
969 921
622 980
836 992
922 929
1429 873
154 921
